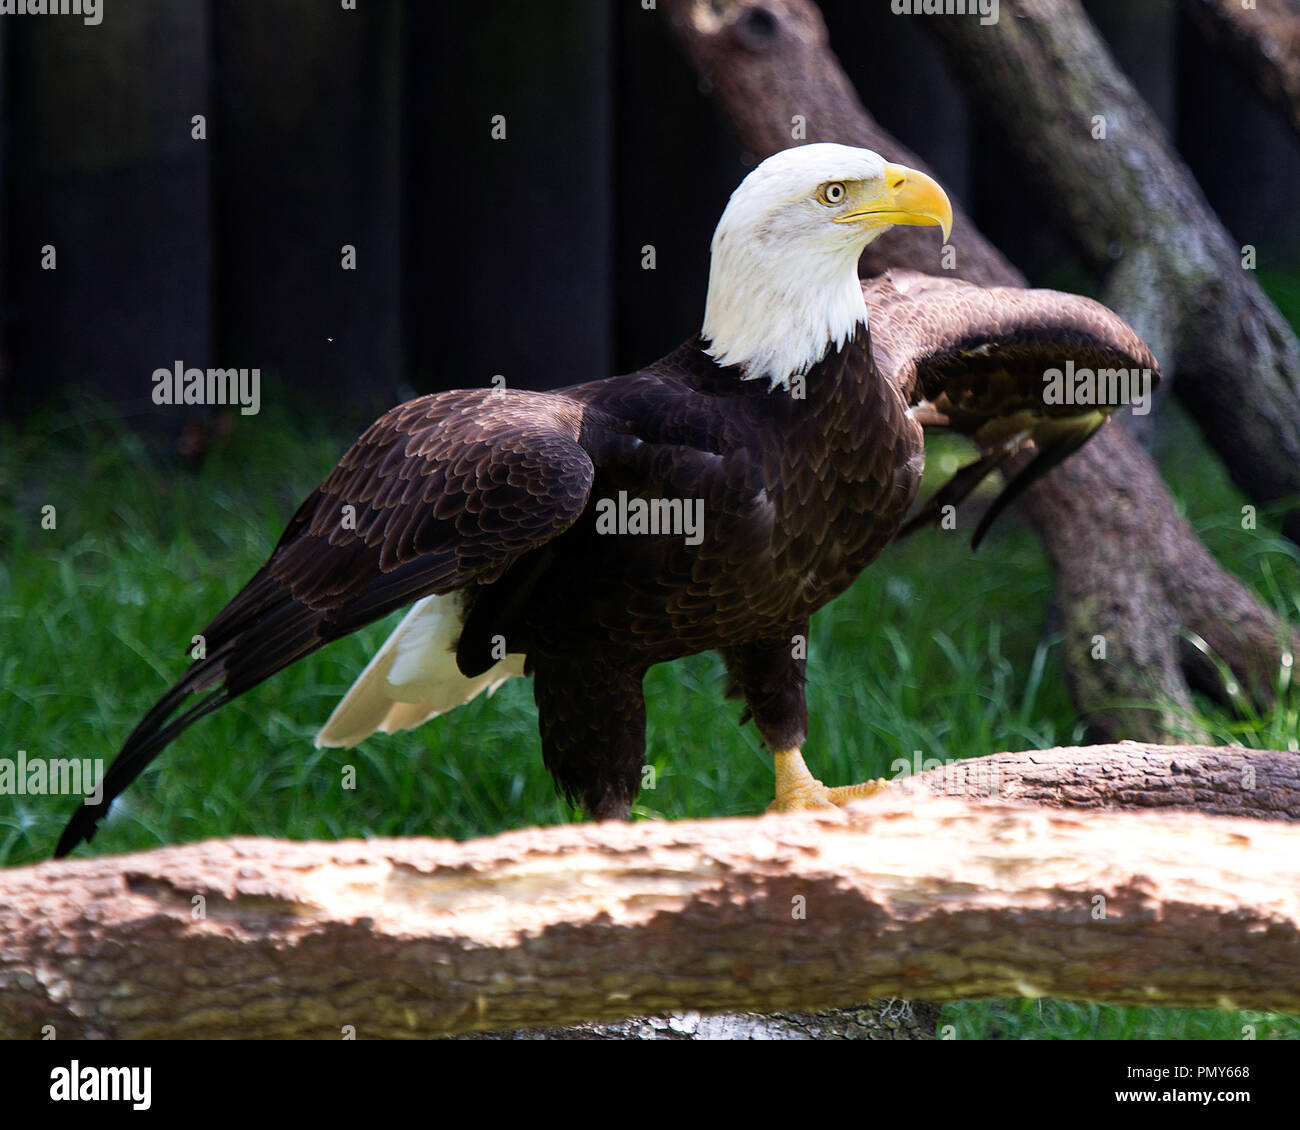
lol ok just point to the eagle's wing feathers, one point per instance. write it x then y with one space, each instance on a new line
439 493
975 359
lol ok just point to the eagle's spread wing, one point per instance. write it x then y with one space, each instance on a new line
974 359
441 492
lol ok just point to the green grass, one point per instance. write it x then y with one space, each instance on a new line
1072 1020
934 649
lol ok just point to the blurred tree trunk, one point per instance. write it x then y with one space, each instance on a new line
1134 582
1075 122
1242 150
1264 43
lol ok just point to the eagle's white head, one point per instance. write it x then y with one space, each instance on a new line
783 283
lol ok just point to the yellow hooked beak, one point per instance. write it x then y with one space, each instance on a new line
910 197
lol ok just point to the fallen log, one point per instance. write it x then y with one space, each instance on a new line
903 895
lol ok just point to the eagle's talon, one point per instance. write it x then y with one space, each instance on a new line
797 790
807 799
845 793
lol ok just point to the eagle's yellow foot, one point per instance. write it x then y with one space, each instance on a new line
797 790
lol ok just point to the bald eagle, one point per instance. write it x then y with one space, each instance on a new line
712 501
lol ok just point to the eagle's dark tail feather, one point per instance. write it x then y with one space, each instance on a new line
954 491
967 478
145 743
260 632
1048 457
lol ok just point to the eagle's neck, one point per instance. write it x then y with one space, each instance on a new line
774 311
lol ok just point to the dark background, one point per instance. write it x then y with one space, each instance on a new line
475 256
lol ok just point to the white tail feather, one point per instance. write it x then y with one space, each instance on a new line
413 677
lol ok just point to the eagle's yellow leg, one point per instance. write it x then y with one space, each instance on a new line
798 790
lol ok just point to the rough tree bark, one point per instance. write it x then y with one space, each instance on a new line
1128 776
898 896
1263 41
1129 569
880 1020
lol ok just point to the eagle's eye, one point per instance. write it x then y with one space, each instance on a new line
831 193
